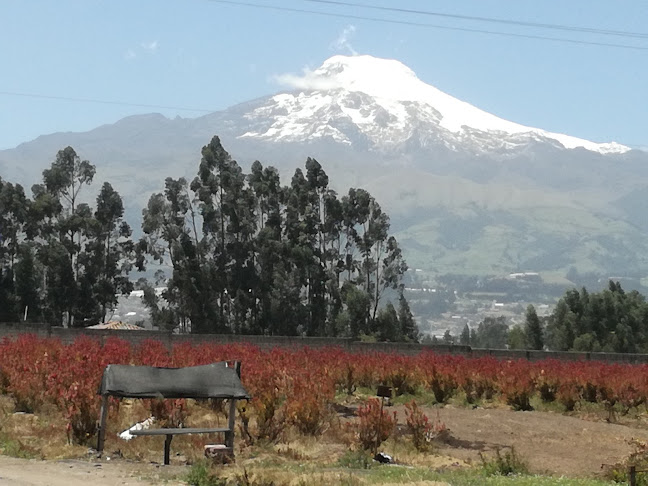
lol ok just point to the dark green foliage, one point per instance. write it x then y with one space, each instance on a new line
612 320
59 261
250 256
387 326
464 338
517 338
27 285
15 225
409 329
448 338
533 329
491 333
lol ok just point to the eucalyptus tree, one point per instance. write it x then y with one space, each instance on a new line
85 255
63 228
172 234
227 208
14 228
113 252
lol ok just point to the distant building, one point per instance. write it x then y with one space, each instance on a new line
117 326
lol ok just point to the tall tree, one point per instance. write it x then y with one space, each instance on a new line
533 329
14 216
65 230
464 338
409 329
219 187
491 333
28 288
387 326
114 251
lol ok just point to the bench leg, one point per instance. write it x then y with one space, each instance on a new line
167 449
101 434
231 418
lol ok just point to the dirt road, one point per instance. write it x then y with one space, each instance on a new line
22 472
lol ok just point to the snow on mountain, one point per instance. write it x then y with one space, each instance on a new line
384 103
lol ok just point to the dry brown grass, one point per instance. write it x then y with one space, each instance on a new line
43 434
418 483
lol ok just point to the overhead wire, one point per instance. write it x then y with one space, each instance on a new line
428 25
382 20
104 102
569 28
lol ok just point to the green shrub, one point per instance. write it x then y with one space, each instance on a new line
200 475
504 464
356 460
639 458
15 448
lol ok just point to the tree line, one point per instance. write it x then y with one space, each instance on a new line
247 254
62 261
612 320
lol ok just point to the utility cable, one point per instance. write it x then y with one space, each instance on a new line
569 28
427 25
105 102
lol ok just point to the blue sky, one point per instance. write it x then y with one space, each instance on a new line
207 55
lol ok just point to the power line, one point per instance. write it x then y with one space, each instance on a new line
570 28
427 25
164 107
104 102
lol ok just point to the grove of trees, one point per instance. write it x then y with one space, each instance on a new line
608 321
61 260
248 255
612 320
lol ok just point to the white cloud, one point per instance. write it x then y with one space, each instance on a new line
308 81
150 46
343 41
144 47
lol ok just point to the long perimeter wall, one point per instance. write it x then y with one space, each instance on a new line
267 342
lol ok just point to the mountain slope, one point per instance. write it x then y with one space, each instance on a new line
384 100
468 192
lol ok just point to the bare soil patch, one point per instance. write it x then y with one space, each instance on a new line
550 442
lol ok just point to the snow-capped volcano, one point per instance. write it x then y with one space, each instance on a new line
383 104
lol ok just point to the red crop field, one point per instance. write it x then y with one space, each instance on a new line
296 387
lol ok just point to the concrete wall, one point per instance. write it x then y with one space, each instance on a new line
266 342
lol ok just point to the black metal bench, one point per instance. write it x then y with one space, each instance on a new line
218 380
179 431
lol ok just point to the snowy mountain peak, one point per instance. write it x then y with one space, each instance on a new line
385 78
384 103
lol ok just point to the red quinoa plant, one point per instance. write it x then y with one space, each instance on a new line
375 425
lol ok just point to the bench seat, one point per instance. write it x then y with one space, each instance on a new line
170 432
178 431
